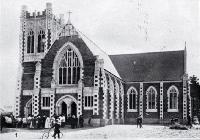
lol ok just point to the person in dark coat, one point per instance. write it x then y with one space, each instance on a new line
140 121
189 121
3 122
56 127
172 121
76 122
137 121
73 122
43 121
38 122
66 119
19 120
69 120
34 122
81 121
89 120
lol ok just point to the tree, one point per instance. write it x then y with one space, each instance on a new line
194 80
195 94
195 87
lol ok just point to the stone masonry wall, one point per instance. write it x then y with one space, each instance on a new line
154 117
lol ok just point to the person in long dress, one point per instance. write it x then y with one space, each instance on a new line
48 123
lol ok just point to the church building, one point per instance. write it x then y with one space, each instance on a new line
62 71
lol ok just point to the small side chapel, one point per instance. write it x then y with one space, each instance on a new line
61 71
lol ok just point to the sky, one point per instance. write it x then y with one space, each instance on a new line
116 26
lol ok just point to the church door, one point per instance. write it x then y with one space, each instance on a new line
73 109
64 108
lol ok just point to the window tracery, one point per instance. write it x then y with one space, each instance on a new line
172 99
30 42
132 99
41 41
151 99
69 68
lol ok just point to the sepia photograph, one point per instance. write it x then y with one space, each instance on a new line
100 69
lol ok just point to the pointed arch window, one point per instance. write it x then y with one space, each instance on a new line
69 68
41 41
132 99
172 94
151 94
30 42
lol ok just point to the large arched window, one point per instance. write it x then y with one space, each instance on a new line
69 68
151 99
30 42
41 41
172 94
132 99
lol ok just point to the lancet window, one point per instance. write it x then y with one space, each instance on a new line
41 41
69 68
30 42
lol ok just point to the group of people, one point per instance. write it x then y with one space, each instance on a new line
6 121
31 122
74 121
40 122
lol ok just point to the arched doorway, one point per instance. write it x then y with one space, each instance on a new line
66 105
64 108
73 109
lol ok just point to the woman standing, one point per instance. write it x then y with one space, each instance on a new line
47 123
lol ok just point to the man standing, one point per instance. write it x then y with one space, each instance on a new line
140 121
89 120
137 121
73 122
81 121
56 127
3 121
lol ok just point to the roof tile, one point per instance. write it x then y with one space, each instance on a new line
154 66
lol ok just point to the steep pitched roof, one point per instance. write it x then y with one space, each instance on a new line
108 65
69 30
155 66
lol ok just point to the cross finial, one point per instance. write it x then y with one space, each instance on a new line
69 13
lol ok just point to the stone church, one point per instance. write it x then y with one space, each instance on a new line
62 71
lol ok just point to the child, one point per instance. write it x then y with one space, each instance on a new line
56 127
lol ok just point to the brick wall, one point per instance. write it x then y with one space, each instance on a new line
44 112
28 75
168 115
130 117
87 113
88 61
154 117
151 115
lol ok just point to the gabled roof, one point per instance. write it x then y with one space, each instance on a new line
69 30
154 66
108 65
